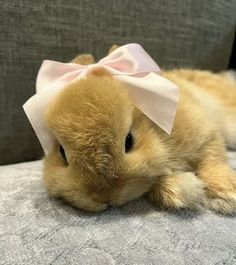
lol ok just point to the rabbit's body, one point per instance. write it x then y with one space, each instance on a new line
183 170
215 94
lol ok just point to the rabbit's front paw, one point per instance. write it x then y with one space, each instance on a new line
178 192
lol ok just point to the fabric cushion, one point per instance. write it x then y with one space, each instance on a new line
35 229
176 33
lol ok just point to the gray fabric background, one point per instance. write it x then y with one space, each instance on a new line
35 229
183 33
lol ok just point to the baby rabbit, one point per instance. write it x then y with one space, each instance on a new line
108 152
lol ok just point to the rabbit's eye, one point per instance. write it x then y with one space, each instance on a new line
129 142
63 154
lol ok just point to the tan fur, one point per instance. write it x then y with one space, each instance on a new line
84 59
91 117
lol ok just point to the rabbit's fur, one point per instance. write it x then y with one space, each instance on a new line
91 118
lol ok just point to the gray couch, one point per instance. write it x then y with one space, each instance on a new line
36 229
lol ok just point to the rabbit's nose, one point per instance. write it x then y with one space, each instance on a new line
98 207
115 204
101 198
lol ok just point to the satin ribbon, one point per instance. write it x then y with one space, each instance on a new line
154 95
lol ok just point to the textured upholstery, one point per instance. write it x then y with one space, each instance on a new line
35 229
184 33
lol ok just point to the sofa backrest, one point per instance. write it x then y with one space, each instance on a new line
184 33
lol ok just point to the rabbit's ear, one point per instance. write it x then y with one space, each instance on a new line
98 71
84 59
113 48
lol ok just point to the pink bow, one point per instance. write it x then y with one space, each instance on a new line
154 95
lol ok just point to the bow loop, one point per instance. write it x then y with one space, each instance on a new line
131 59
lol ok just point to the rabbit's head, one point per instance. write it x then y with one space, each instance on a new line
107 152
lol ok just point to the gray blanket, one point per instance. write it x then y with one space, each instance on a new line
36 229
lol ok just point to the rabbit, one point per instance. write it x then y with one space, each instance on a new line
108 152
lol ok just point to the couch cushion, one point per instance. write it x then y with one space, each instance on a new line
176 33
35 229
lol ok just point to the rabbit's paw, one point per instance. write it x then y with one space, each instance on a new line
222 195
178 192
